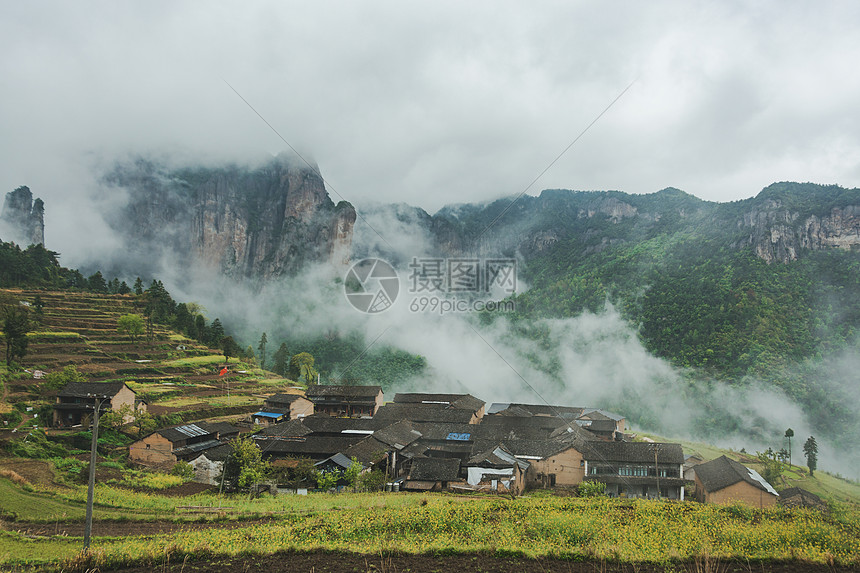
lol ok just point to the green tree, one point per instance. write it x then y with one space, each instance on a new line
96 283
810 448
131 325
145 423
261 348
373 480
281 360
138 286
302 368
229 348
591 488
771 466
215 333
789 433
327 480
183 470
38 305
352 473
245 467
16 324
58 380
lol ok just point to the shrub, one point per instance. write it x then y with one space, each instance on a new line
36 445
591 489
183 470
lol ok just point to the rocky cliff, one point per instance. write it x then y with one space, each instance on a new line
776 232
256 222
24 217
780 224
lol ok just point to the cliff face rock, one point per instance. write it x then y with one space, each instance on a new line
610 207
24 216
777 233
253 223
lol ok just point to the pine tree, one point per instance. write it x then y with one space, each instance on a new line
810 448
261 347
138 286
216 333
789 433
281 360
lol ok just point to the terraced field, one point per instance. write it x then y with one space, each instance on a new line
175 374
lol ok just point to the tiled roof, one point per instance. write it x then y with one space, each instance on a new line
195 448
185 432
633 452
337 459
423 413
222 428
316 446
290 429
435 469
498 457
325 424
322 391
284 398
85 389
435 431
459 401
398 435
597 425
505 409
597 414
368 451
217 453
722 472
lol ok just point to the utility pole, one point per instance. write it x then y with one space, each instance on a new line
656 448
88 528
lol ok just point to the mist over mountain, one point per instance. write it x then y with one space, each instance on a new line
244 222
721 321
22 219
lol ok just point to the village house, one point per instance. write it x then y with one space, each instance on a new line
444 401
432 413
526 410
550 445
595 415
296 439
282 407
434 474
724 480
636 469
346 401
387 449
163 448
604 425
209 464
497 470
78 399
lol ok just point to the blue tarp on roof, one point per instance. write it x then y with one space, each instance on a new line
270 414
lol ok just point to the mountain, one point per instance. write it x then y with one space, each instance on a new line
24 217
719 285
247 222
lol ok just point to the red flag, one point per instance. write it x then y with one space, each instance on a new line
223 371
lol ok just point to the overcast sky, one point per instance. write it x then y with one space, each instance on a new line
437 102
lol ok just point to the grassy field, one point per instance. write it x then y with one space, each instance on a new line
535 526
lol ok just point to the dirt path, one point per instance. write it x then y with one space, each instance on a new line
120 528
335 562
